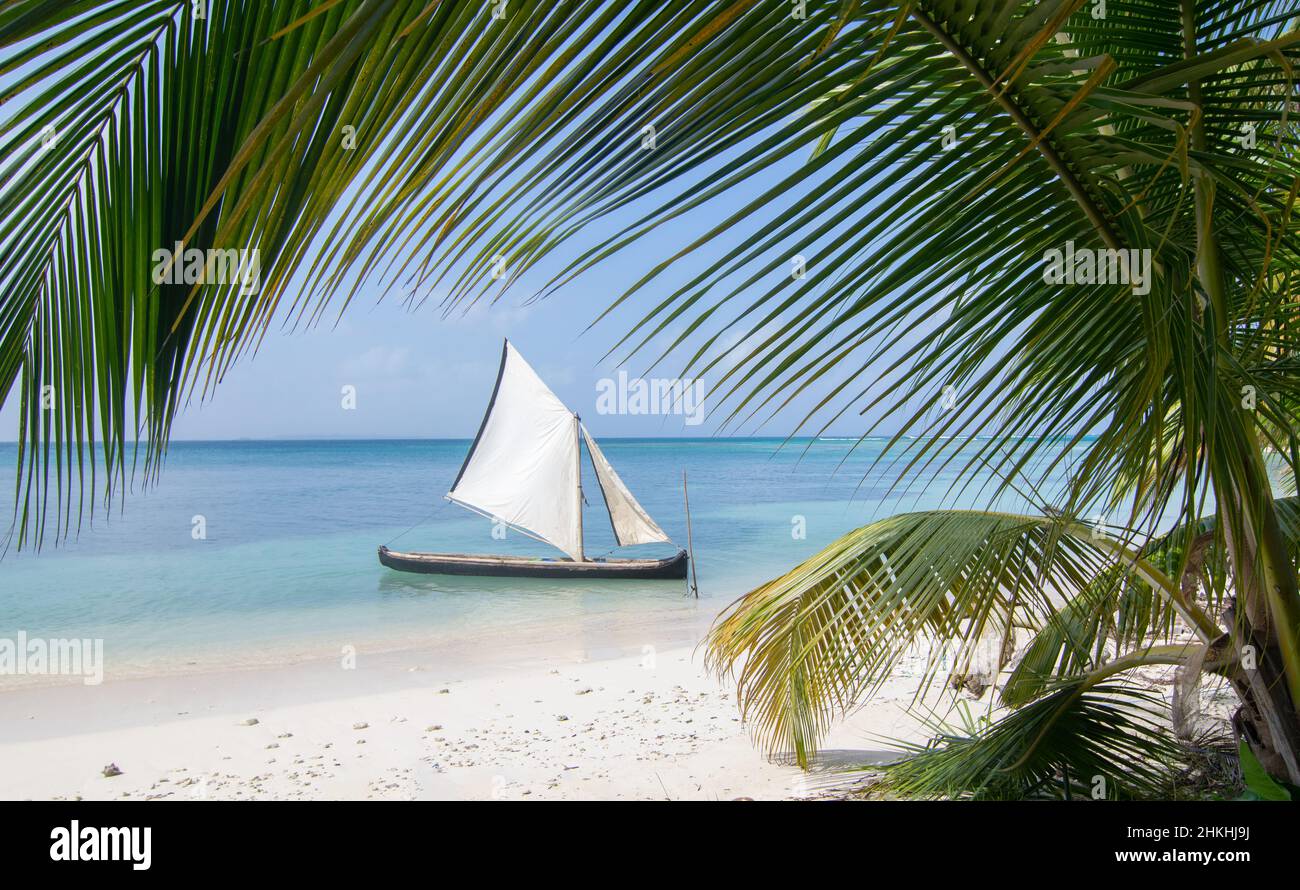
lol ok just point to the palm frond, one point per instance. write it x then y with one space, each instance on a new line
810 645
122 122
482 138
1109 742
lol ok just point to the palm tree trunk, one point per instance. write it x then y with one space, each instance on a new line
1265 587
1265 627
1267 718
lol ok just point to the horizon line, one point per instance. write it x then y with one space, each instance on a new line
468 438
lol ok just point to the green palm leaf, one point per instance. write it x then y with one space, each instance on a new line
812 644
924 157
1107 743
126 119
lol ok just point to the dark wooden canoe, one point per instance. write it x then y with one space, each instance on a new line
673 567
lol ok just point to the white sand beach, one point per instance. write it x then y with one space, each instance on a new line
544 720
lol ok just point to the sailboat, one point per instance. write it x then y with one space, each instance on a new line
525 469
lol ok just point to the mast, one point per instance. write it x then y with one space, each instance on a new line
525 467
577 461
520 468
631 523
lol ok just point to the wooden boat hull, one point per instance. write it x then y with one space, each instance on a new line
671 568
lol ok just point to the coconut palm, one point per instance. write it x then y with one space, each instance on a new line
927 157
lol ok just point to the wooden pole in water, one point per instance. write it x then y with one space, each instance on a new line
690 546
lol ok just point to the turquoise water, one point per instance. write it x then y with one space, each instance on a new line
288 564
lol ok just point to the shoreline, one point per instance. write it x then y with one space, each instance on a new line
575 720
510 643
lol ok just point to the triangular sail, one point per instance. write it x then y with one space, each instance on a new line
632 524
523 467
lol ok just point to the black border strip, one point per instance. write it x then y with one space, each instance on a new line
225 838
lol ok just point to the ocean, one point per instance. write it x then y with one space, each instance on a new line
250 552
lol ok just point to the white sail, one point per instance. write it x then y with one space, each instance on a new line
632 524
523 466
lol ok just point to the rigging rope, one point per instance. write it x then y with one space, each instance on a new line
421 522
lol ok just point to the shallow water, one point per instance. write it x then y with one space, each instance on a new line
288 565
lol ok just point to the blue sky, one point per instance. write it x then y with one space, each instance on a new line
418 374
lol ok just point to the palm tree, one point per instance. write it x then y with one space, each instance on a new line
930 154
